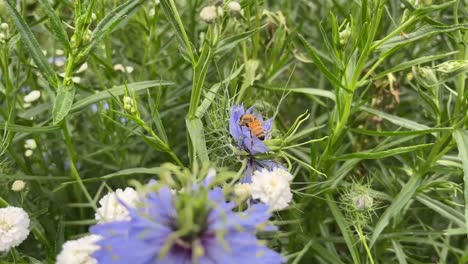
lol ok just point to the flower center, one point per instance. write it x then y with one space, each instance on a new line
4 226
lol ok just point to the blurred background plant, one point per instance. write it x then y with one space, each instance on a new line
94 93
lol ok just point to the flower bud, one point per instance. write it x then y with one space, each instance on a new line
4 26
30 144
18 186
209 14
28 153
32 96
242 191
363 202
128 104
234 8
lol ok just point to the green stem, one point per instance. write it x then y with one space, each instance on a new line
364 242
74 172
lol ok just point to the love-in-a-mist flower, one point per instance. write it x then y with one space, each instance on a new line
113 206
272 187
14 227
243 136
161 231
79 251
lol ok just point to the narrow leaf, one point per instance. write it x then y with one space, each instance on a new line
382 154
461 137
33 46
315 57
197 137
63 102
116 91
56 24
114 19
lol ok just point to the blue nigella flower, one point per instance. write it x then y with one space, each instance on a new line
154 234
243 136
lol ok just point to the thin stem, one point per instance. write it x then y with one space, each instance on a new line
364 242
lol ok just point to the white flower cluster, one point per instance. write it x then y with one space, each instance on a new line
79 251
14 227
111 207
270 187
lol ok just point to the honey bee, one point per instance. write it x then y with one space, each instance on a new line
255 126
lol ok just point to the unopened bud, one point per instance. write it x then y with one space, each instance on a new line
128 104
4 26
234 8
209 14
363 202
18 186
242 191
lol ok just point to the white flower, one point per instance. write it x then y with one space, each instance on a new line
242 190
79 251
30 144
14 227
234 8
32 96
112 208
18 186
209 14
272 188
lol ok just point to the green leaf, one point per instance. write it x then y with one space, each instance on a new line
309 91
213 92
197 138
344 228
56 24
444 210
461 137
324 69
118 174
411 63
33 46
116 91
399 133
399 121
225 45
397 205
28 129
382 154
114 19
423 32
173 16
63 102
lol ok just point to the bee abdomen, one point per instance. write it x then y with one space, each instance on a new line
257 130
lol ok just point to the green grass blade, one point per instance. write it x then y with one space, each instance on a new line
33 46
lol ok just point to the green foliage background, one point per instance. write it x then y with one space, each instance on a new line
381 83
